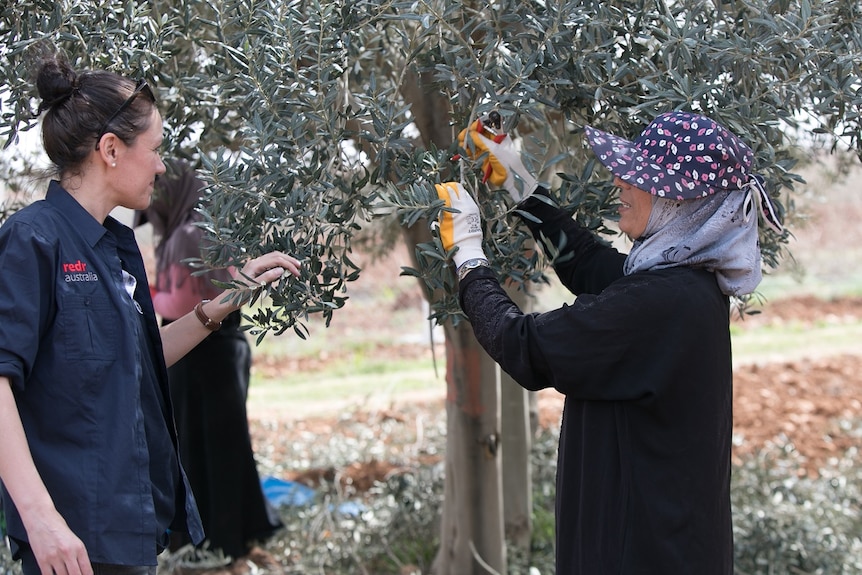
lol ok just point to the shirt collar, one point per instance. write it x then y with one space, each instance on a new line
90 228
81 219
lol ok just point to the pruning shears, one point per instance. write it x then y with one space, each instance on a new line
489 125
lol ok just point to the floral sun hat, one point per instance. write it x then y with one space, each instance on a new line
682 156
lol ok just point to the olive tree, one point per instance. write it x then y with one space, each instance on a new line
312 121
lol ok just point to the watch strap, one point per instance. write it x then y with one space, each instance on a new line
470 265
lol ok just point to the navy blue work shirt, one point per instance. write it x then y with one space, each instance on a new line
88 372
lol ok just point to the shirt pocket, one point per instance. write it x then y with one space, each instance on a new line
89 327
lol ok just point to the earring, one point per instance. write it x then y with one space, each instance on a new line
114 165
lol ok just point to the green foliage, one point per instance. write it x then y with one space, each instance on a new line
787 524
119 36
550 69
310 119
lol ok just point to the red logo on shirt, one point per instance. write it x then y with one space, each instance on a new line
78 266
77 272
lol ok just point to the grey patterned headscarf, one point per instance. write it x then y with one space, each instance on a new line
716 232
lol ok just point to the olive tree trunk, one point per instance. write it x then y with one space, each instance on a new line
472 539
516 443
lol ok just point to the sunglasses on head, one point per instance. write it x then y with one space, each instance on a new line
140 86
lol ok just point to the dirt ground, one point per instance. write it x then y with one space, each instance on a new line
800 403
806 399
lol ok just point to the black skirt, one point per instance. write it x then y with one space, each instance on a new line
209 387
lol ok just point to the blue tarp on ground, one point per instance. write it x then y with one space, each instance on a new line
281 492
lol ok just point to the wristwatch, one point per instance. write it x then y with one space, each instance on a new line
470 265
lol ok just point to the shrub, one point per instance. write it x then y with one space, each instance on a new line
784 523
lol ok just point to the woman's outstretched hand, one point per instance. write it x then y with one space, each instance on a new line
267 268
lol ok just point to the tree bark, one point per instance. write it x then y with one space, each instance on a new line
517 442
517 469
472 535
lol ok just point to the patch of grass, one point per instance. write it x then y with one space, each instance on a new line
339 387
787 284
794 340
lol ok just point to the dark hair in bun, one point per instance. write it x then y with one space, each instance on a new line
56 82
81 107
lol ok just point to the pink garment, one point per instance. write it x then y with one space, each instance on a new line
183 295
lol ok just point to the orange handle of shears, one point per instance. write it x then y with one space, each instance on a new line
487 174
487 131
488 169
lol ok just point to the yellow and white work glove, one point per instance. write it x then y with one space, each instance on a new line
462 229
502 165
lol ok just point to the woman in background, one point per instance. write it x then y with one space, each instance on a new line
209 386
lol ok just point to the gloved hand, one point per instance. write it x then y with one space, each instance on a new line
463 229
504 162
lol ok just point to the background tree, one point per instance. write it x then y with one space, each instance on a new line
313 120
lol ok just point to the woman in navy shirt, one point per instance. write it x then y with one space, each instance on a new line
88 458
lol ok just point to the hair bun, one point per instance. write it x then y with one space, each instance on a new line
56 82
